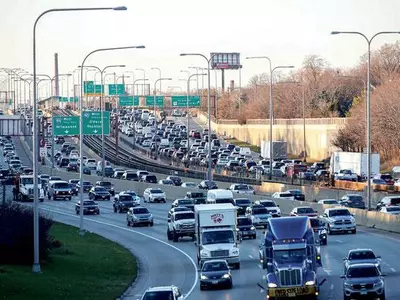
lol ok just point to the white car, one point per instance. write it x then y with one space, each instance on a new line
191 185
272 207
329 202
154 195
91 164
242 189
283 195
146 143
391 210
163 292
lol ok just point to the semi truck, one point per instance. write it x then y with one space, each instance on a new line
216 236
355 162
279 150
289 253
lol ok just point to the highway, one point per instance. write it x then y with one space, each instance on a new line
164 262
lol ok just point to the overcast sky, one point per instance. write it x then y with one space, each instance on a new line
284 30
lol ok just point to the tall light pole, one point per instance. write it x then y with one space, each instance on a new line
271 107
155 98
368 131
103 155
197 72
81 229
144 76
209 172
159 76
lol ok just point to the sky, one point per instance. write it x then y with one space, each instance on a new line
284 30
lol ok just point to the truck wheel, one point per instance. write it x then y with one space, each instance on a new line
237 266
354 231
169 235
328 229
175 237
254 237
128 223
77 211
115 209
54 198
120 210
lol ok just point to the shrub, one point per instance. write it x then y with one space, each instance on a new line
16 235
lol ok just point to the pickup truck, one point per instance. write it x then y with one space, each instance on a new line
181 223
347 175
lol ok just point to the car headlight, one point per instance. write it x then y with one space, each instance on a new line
204 254
378 284
226 276
348 284
252 228
203 277
311 282
235 252
272 285
256 218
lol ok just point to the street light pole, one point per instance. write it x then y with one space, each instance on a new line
159 76
368 131
133 94
209 172
81 228
144 77
197 72
271 107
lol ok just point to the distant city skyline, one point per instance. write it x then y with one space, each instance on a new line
286 31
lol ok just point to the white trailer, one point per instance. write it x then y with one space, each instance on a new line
216 233
356 162
279 149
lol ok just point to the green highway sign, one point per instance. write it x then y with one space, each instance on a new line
116 89
92 122
159 101
63 125
181 101
9 101
63 99
88 87
128 101
73 99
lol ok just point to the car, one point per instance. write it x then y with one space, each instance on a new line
190 185
139 216
303 211
388 201
123 203
54 178
329 202
215 273
163 292
176 180
391 210
107 185
149 178
118 174
154 195
339 220
135 197
166 182
298 195
73 185
99 192
283 196
245 228
130 175
242 189
207 185
353 201
363 280
189 203
320 234
361 256
181 224
241 204
176 209
59 189
259 215
89 207
271 206
72 167
91 164
87 185
198 197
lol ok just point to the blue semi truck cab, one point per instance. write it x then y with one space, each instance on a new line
289 253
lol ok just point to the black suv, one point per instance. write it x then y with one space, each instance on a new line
353 201
106 185
59 190
149 178
99 192
246 228
242 204
123 203
298 195
89 207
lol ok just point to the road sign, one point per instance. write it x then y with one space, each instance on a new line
159 101
88 87
128 101
73 99
116 89
63 99
9 101
93 120
43 151
65 125
181 101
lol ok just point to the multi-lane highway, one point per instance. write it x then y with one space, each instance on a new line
163 262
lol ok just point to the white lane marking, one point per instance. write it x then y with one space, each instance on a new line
332 286
142 234
261 291
393 269
339 241
328 271
250 256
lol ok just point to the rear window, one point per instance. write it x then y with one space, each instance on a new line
140 211
395 201
131 176
61 185
356 198
125 198
268 204
197 195
106 184
243 201
285 195
259 211
222 201
244 221
151 177
386 177
185 202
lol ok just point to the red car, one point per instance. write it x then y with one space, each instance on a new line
304 211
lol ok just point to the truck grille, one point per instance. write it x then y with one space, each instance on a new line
191 226
220 253
367 286
290 277
340 222
347 222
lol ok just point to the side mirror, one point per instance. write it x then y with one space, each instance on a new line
277 205
344 258
383 275
169 220
342 276
378 256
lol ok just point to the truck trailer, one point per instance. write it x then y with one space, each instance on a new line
356 162
289 253
279 150
216 233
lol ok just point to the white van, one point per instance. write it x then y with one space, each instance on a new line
219 196
145 115
245 151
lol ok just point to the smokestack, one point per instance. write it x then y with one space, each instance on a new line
232 85
56 82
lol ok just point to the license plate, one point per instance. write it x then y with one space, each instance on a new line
104 197
289 292
291 295
363 292
215 282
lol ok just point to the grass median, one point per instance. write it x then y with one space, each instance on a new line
88 267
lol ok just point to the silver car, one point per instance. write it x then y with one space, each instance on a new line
359 256
363 281
139 216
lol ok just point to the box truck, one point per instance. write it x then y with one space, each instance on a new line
356 162
279 149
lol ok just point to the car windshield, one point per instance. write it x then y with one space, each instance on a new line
386 177
100 189
28 180
364 272
244 222
295 192
243 202
61 185
361 255
87 183
268 203
156 191
105 184
260 211
125 198
290 256
355 198
241 187
215 266
285 195
182 216
315 223
330 202
139 211
185 202
218 237
197 195
159 295
305 210
133 194
131 175
393 209
339 212
89 202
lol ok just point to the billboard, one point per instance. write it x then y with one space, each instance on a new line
224 60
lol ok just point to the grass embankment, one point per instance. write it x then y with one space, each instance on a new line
238 143
88 267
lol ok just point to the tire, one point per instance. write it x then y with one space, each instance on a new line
151 224
254 237
175 237
354 231
54 198
345 297
201 288
77 211
115 209
328 230
70 198
230 285
237 266
48 196
120 210
382 297
128 223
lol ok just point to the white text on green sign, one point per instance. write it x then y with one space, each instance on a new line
93 122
